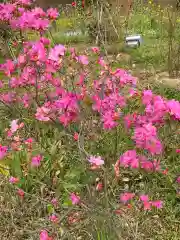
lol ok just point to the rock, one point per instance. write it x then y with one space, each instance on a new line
164 78
123 57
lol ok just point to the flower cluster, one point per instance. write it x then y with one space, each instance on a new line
19 15
133 160
144 199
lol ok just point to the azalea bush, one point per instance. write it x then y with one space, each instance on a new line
80 138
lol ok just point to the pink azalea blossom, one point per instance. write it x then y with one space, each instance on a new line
54 201
74 198
132 92
157 203
129 120
102 62
3 151
83 59
45 41
21 59
13 180
108 120
36 161
129 159
29 141
147 97
53 218
38 12
177 150
147 205
178 179
26 98
98 161
42 114
57 52
144 198
174 108
21 193
95 49
125 197
76 136
44 235
52 13
9 67
146 138
14 126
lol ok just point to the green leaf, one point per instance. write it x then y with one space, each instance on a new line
50 209
70 186
67 203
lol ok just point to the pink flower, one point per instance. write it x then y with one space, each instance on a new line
125 197
9 67
129 120
52 13
42 114
54 201
157 204
21 59
29 141
44 235
3 151
177 150
14 126
174 108
165 171
38 12
132 92
102 62
147 205
178 179
26 100
53 218
74 199
95 49
108 120
67 118
98 161
129 159
76 136
147 97
146 138
45 41
57 52
21 193
83 59
13 180
144 198
36 160
73 4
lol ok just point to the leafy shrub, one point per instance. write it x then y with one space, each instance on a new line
81 140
